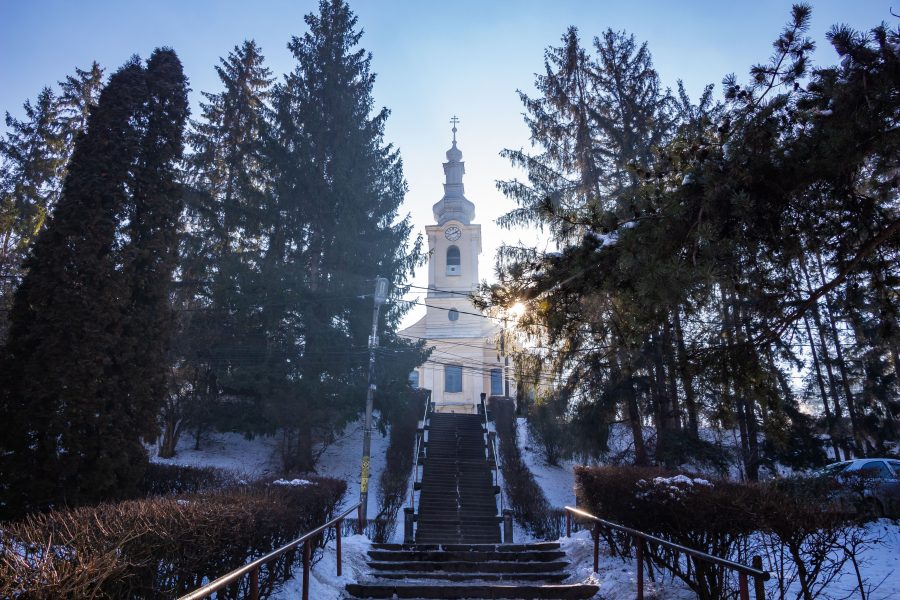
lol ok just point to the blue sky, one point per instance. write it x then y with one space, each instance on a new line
433 60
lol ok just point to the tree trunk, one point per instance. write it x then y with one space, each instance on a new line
829 416
631 406
687 382
842 365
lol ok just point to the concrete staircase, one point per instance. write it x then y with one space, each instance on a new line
457 553
483 571
457 504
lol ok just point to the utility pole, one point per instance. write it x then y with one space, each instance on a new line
381 290
505 360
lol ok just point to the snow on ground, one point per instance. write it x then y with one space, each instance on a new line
228 451
324 583
558 483
879 566
259 458
616 577
343 459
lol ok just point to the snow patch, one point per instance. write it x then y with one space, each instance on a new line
293 482
324 584
228 451
558 482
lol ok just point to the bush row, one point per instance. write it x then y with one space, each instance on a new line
399 459
160 547
785 521
526 498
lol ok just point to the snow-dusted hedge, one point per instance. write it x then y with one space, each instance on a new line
784 521
526 498
159 547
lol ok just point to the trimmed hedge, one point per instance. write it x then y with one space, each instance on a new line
160 547
731 520
526 498
162 479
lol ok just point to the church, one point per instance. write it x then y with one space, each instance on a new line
466 361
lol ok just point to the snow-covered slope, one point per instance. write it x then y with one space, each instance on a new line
259 458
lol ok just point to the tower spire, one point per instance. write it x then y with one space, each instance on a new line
454 120
454 205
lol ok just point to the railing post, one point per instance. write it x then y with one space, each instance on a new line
409 516
254 584
639 551
507 526
758 585
596 534
306 560
742 585
568 524
337 543
288 561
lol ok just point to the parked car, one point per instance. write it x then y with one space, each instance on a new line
869 486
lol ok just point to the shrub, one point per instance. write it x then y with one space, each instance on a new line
399 458
526 498
161 479
160 547
726 519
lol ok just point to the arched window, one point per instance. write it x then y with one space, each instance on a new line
453 265
453 314
414 380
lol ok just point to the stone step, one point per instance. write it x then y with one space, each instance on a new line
507 577
438 555
459 591
471 566
532 547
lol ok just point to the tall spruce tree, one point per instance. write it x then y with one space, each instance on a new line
223 252
33 159
73 410
339 187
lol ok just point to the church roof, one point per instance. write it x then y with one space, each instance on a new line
454 206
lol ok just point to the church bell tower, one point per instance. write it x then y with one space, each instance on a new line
463 364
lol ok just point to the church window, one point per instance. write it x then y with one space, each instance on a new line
414 380
453 378
496 382
453 314
453 262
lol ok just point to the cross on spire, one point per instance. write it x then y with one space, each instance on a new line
454 120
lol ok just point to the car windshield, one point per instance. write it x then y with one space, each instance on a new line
832 470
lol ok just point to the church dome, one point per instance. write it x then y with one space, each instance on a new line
454 206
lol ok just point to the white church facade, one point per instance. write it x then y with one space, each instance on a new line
466 361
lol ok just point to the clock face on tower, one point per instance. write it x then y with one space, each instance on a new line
452 233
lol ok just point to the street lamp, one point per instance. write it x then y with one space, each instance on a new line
515 311
381 292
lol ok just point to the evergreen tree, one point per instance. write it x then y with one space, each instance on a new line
339 187
78 95
223 250
31 158
73 407
760 238
150 256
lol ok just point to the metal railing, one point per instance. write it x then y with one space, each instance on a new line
420 439
492 442
640 538
252 569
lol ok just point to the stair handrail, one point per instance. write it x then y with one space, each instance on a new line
252 568
420 439
493 443
640 537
